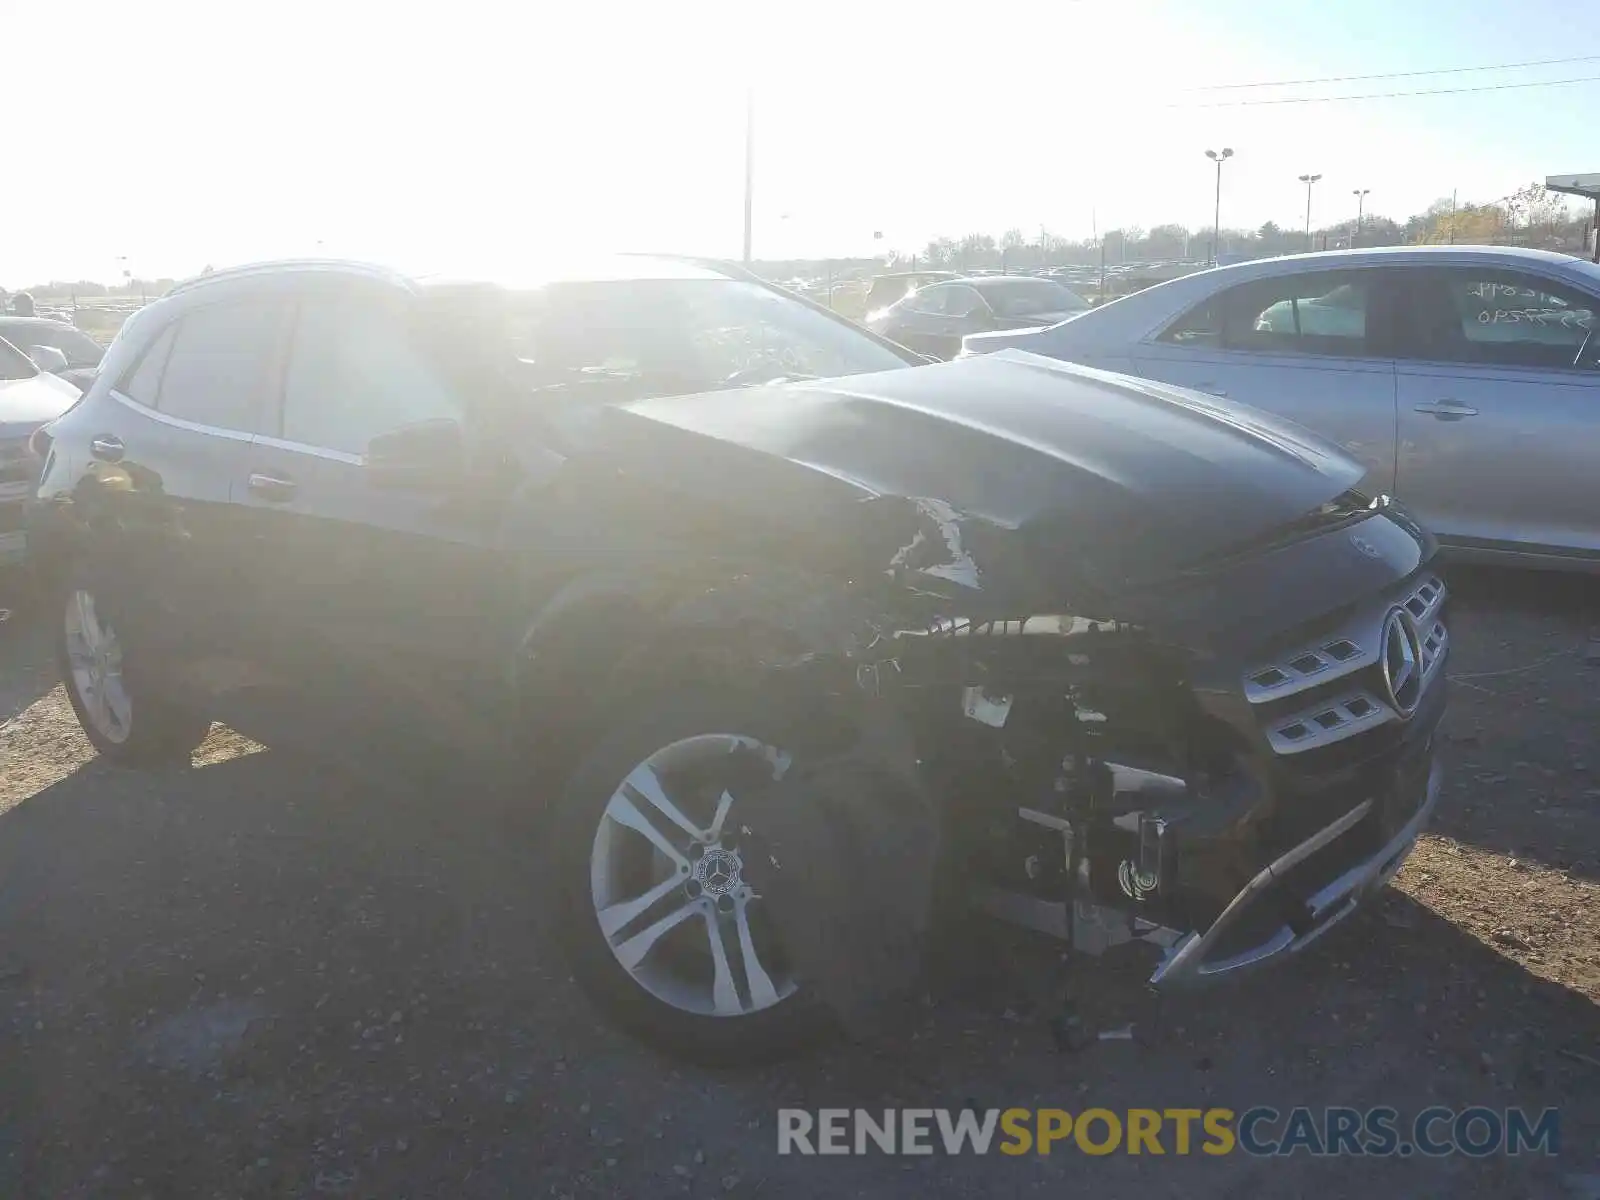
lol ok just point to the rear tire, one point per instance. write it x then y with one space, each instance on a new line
125 713
679 993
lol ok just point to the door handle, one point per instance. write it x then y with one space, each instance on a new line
1447 410
1212 389
107 448
274 488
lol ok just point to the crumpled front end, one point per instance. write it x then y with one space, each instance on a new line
1157 674
1344 779
1227 778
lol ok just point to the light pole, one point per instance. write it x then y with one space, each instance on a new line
1308 180
1361 201
1218 157
749 164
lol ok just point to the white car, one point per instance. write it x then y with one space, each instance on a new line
1465 378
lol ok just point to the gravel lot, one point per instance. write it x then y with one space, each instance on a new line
263 977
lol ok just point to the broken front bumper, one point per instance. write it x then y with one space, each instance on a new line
1200 957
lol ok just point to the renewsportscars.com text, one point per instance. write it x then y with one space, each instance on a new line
1477 1132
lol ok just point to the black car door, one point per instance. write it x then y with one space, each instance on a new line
377 604
161 448
919 319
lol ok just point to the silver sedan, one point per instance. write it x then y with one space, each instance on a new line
1465 378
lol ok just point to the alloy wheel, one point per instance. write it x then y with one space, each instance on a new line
668 884
95 656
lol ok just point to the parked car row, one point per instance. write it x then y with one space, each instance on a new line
796 630
933 319
29 398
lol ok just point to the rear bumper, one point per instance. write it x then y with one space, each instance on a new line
1198 957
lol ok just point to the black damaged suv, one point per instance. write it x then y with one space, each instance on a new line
794 635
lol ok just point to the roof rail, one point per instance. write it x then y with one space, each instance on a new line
291 265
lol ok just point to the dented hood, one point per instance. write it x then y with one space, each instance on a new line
1016 463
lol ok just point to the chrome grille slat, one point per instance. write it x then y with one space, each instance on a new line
1326 715
1346 651
1435 642
1329 721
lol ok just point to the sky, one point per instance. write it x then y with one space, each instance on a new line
166 135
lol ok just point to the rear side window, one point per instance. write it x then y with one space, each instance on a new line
353 374
144 382
220 363
1321 313
1501 319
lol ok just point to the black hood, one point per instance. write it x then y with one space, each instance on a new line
1017 464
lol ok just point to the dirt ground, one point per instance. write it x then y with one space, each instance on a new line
263 977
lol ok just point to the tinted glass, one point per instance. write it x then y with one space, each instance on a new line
1022 297
936 299
144 383
882 292
1298 314
219 364
80 349
1502 319
961 300
1200 327
14 364
353 374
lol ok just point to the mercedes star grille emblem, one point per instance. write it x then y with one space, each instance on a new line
1401 662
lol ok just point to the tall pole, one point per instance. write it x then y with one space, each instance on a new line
1216 217
1361 200
749 167
1308 180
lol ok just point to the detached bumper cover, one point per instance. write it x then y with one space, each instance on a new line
1193 959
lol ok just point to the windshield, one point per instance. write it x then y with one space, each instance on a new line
14 364
1026 297
672 336
80 349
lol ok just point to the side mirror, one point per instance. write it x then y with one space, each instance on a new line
429 456
48 358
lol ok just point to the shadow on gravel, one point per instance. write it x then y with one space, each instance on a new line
1522 752
27 668
261 978
1551 593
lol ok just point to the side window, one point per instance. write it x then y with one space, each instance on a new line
353 374
220 363
1200 327
1503 319
143 383
962 301
1321 313
935 300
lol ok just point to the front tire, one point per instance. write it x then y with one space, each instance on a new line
660 925
127 717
